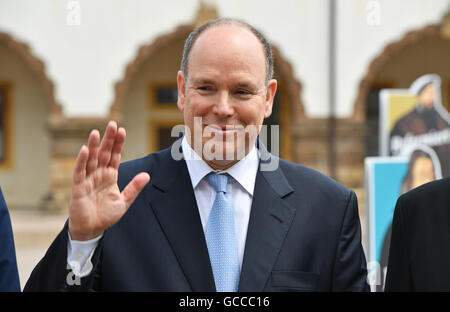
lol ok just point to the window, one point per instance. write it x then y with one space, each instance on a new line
163 115
164 95
280 116
274 120
160 133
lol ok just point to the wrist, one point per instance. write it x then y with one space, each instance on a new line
78 235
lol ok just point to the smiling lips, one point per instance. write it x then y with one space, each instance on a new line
224 128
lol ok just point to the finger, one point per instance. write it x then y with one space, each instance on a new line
94 140
133 188
116 154
79 173
104 152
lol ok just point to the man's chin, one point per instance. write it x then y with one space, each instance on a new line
225 151
221 164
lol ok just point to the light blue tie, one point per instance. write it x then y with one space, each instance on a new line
221 238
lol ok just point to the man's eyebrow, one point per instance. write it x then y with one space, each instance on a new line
200 81
240 84
248 85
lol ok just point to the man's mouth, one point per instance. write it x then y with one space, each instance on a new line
223 128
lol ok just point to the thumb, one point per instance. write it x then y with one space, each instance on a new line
133 188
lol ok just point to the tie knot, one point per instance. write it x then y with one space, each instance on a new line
218 181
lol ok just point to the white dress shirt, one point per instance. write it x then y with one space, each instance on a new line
240 189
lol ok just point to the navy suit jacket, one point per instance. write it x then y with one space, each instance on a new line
419 253
303 235
9 276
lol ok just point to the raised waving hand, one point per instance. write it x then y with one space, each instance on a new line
96 202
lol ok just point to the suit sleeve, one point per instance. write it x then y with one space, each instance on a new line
350 268
53 273
398 277
9 275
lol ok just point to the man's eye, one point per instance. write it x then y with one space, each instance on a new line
205 88
243 92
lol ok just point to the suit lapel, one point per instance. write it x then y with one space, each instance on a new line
173 201
270 219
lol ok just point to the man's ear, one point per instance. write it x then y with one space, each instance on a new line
270 95
181 85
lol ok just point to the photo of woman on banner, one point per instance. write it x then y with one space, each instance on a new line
428 123
423 167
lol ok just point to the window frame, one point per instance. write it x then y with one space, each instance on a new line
6 161
154 103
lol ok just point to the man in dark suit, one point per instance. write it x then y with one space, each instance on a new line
419 255
9 276
291 228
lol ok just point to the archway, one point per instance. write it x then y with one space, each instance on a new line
27 102
419 52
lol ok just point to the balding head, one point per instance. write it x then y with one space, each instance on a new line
193 36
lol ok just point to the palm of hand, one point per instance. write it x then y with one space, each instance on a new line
99 199
96 202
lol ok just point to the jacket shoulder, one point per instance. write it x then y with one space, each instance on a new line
434 191
425 206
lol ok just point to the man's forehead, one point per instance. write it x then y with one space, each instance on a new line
227 32
228 43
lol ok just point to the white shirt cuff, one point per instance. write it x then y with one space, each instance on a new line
79 254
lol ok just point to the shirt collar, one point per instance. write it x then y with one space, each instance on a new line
244 171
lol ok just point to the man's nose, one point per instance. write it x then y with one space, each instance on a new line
224 105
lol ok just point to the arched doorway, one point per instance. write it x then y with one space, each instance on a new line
27 102
145 99
419 52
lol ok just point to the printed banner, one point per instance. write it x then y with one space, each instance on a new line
415 116
386 179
